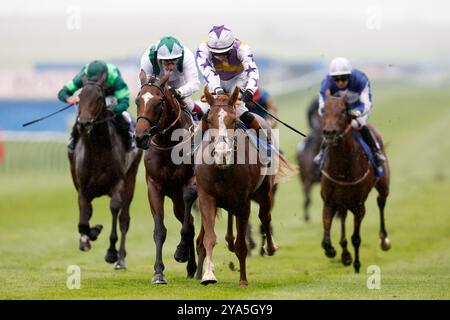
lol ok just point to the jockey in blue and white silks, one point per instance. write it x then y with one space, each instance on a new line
226 63
342 79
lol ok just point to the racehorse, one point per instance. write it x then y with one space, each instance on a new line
307 149
347 178
101 166
159 115
222 183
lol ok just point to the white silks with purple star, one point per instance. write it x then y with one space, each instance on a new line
220 39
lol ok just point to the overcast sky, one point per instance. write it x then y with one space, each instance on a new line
33 30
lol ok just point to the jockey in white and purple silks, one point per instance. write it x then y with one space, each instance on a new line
226 63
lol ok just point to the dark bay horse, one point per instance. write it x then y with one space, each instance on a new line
159 115
101 166
230 185
347 178
307 149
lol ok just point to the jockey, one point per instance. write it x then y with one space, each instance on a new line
265 100
343 79
117 98
226 63
169 55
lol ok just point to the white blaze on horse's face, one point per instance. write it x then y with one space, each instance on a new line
222 148
146 97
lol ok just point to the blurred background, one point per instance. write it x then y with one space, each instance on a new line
403 46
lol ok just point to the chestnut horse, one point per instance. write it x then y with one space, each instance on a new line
101 166
159 115
223 183
347 178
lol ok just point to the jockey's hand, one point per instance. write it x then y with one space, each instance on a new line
247 96
73 100
176 93
219 91
355 114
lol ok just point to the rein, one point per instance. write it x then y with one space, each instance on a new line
341 182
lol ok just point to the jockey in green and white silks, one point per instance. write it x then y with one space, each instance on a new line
169 55
117 97
226 63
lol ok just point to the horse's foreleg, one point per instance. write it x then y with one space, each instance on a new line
86 233
229 237
251 244
201 253
240 245
156 199
356 238
307 201
327 216
265 205
115 205
383 191
346 257
208 210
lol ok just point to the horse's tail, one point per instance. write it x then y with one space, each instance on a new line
285 169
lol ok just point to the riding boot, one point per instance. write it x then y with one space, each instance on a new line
124 129
74 136
318 159
250 122
373 145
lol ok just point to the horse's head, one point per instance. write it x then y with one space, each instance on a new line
336 119
222 120
155 110
92 103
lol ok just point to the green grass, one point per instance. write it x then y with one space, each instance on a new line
39 240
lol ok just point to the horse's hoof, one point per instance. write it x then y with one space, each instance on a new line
95 231
306 218
85 244
330 252
385 244
346 258
356 266
181 254
243 283
262 252
209 279
120 265
111 256
159 279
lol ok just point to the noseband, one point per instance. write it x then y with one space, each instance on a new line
157 127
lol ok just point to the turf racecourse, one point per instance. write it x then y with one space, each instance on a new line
39 240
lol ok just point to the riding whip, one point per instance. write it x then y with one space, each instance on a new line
47 116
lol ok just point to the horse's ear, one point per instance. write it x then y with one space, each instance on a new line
142 77
164 79
102 79
209 98
234 96
169 97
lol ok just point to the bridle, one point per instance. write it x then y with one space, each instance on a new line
96 119
157 127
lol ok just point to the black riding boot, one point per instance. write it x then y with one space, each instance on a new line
124 129
373 145
74 136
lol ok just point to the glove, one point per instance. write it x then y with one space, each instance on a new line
355 113
247 95
218 91
176 93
